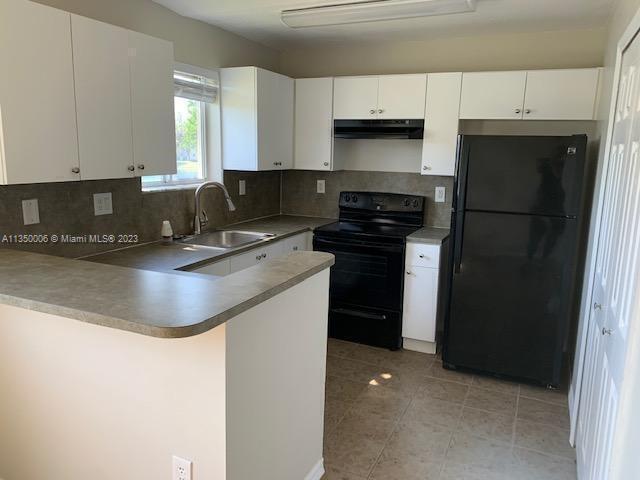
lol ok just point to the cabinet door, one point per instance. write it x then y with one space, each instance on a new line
298 243
254 257
313 141
239 118
38 137
402 96
275 121
355 98
103 98
493 95
561 94
442 124
154 141
420 303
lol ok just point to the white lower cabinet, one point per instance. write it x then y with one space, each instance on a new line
268 251
420 310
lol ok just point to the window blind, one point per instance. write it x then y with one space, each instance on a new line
195 87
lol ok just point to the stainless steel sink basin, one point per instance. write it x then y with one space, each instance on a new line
226 238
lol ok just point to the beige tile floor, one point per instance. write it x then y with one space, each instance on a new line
401 416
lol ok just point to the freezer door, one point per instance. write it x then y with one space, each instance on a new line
538 175
511 295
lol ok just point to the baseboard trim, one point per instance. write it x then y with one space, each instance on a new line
317 471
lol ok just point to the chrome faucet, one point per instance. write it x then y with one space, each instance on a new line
201 219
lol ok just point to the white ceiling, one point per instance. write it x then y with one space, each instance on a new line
259 20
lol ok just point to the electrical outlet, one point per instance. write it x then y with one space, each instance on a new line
320 186
102 204
30 211
181 469
441 194
242 187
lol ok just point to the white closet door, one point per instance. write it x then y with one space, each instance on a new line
616 282
402 96
101 65
38 138
152 108
561 94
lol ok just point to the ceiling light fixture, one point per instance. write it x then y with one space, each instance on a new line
372 11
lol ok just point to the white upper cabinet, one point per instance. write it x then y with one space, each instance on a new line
402 96
379 97
441 126
561 94
152 110
38 136
257 119
493 95
355 98
103 99
313 139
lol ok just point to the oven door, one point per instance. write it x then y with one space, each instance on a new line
366 274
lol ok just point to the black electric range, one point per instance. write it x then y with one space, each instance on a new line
367 280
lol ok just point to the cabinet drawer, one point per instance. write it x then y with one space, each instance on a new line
298 243
422 255
254 257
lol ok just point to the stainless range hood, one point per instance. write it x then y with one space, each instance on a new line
398 129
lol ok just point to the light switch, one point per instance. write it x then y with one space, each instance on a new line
441 194
320 186
102 204
30 211
242 187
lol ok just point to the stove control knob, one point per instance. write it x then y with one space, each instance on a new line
355 199
347 198
415 203
406 202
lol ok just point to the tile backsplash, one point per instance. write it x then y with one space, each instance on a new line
67 208
299 195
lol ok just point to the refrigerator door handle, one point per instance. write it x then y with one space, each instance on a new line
457 243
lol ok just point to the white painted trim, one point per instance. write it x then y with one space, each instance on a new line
421 346
317 471
585 309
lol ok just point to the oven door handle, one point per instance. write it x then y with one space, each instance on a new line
360 244
357 313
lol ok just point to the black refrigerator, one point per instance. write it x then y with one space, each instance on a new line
515 233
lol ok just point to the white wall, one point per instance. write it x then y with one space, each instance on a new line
81 402
531 50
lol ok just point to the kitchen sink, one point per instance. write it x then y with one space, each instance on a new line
226 238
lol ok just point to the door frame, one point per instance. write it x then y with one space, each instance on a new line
602 178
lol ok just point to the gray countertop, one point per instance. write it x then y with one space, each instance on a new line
430 235
167 257
165 305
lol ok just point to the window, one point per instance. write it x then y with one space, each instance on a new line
197 120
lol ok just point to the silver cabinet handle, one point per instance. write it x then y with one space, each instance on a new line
141 166
597 306
326 164
606 331
131 168
518 110
426 168
409 272
527 111
259 257
295 249
75 170
380 110
372 111
423 256
264 255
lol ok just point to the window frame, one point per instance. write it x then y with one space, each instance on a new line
210 138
